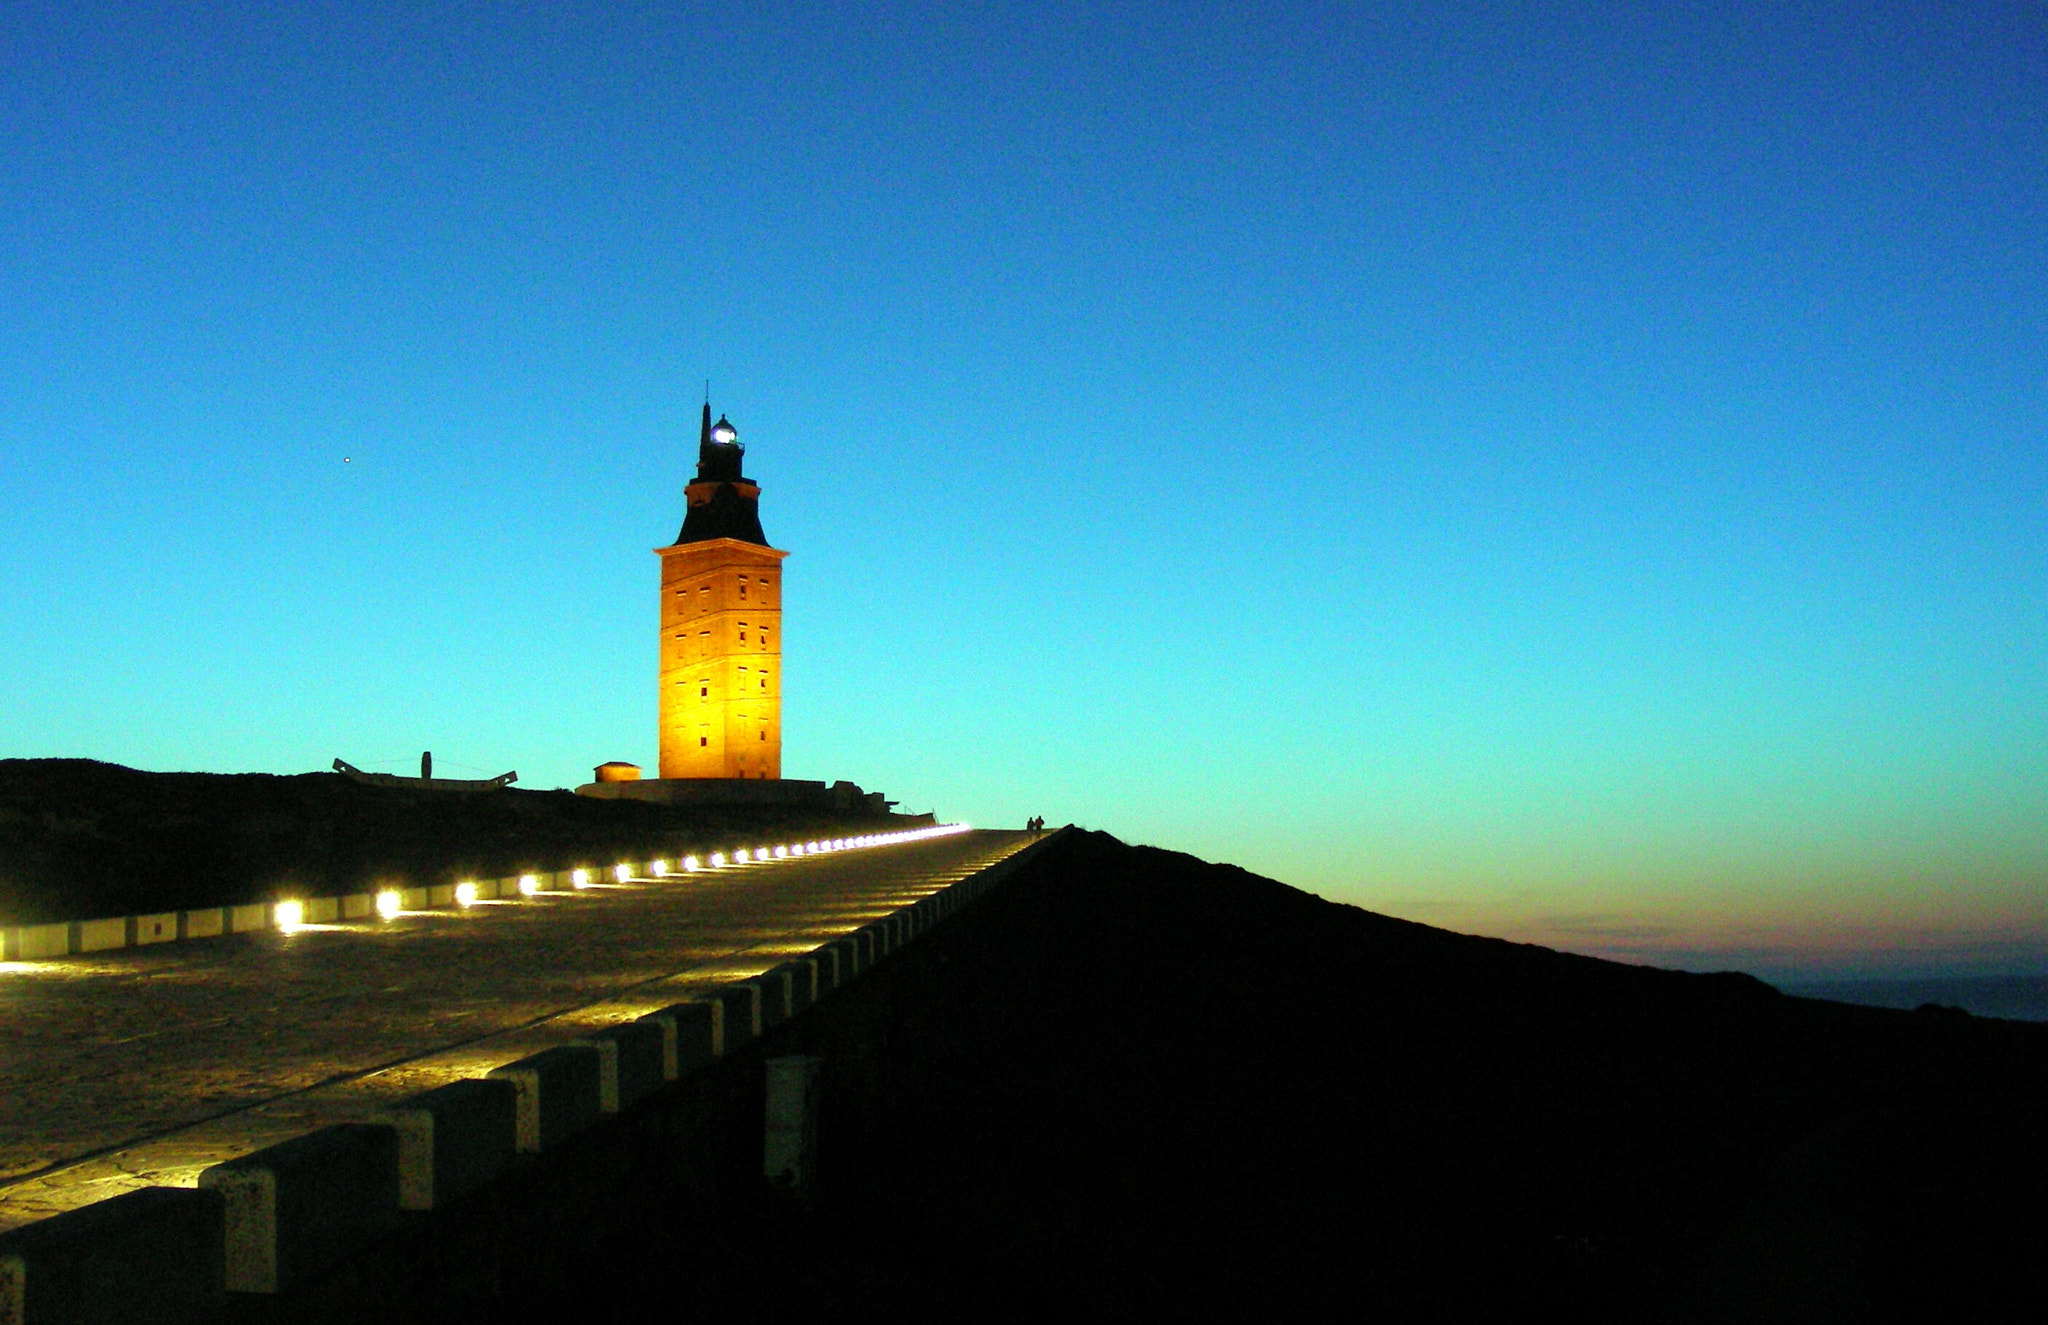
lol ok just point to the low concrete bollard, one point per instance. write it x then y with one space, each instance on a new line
632 1062
790 1143
359 906
207 924
558 1094
827 959
301 1206
835 963
689 1033
802 974
773 1004
248 918
452 1139
153 1255
321 910
34 943
103 935
739 1016
159 928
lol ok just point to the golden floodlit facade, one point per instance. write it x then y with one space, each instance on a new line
721 625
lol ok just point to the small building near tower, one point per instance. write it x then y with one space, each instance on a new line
721 624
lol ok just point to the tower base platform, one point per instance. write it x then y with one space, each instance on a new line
839 796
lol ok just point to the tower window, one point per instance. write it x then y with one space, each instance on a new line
764 736
743 588
703 741
703 692
743 637
764 683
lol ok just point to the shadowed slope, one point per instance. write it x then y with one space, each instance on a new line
1136 1084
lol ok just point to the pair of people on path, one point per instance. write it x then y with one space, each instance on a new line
1035 824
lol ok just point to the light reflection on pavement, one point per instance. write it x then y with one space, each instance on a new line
143 1066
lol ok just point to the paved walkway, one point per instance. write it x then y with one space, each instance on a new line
143 1066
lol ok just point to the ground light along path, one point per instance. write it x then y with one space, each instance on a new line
143 1066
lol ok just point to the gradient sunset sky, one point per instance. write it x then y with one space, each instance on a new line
1575 472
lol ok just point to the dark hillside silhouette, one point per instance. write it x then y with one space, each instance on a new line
1132 1085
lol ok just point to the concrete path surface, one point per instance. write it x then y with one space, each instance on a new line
141 1067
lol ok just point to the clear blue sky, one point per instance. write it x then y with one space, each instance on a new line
1570 471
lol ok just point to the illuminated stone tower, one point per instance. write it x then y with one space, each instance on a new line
721 625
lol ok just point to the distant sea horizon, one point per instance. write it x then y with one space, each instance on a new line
2010 997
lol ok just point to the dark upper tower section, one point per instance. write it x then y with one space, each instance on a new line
723 503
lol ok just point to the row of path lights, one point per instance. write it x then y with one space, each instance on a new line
291 914
790 850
